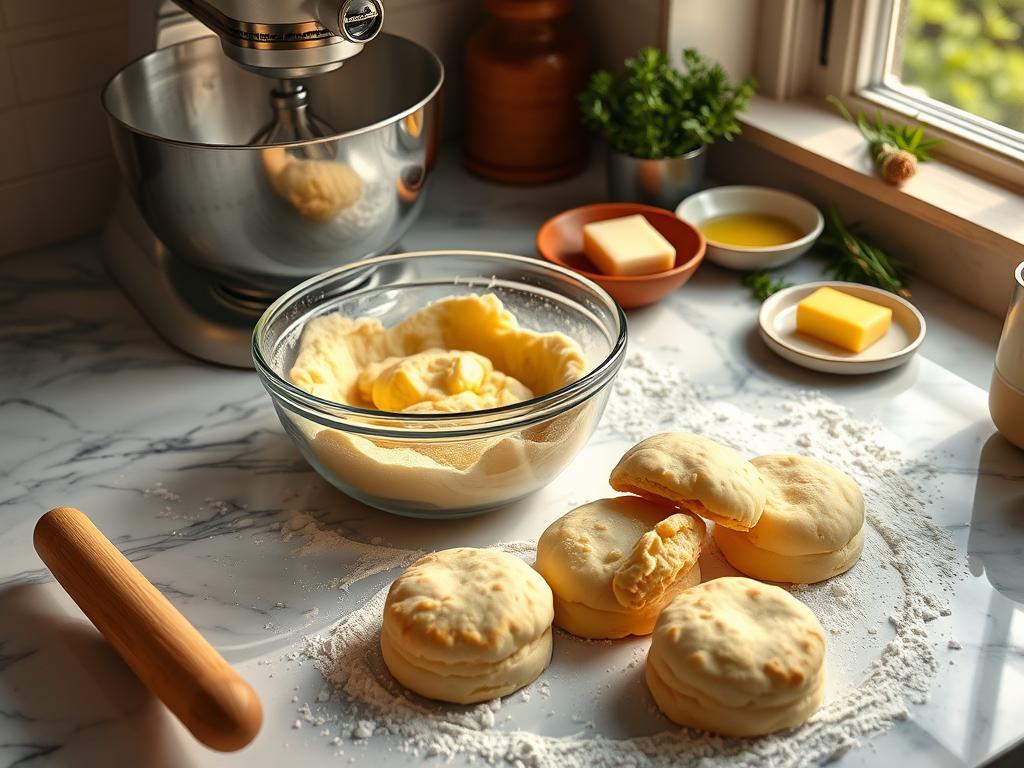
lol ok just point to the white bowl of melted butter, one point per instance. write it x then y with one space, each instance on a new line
441 384
749 228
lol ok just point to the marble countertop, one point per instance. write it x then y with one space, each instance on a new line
186 468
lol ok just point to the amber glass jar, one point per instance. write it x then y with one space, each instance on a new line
524 68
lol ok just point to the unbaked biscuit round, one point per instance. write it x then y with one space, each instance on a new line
794 569
696 474
810 507
613 564
466 625
737 657
811 528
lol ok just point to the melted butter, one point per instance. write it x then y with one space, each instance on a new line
756 230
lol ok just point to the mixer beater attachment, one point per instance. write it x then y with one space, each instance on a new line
294 121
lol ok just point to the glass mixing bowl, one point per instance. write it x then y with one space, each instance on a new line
444 465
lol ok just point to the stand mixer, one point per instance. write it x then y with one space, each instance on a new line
294 138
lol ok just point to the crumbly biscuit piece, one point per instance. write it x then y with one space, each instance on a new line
763 564
737 657
614 563
810 508
696 474
593 623
657 559
466 625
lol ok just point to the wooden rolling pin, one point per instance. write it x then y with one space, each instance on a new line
166 652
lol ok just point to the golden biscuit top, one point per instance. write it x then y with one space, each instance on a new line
695 473
467 604
741 642
810 508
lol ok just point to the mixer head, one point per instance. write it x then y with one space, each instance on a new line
290 38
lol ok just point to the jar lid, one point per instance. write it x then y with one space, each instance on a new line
528 10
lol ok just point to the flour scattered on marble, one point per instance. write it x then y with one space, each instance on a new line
169 499
902 546
158 491
371 558
175 509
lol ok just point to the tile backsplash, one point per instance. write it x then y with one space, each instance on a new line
56 170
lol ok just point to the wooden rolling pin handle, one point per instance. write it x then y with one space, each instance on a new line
166 652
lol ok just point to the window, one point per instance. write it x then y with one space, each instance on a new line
957 65
965 53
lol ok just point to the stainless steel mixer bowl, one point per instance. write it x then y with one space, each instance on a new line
266 217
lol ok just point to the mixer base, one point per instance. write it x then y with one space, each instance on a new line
192 309
185 305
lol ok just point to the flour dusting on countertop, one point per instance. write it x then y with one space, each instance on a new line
904 552
372 558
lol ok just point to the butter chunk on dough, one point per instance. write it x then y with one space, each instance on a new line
696 474
466 625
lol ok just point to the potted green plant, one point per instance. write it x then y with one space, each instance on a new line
658 121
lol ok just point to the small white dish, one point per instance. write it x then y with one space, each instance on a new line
722 201
777 322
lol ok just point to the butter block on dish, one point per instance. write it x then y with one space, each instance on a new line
628 245
842 319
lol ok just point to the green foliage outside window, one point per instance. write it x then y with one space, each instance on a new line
968 53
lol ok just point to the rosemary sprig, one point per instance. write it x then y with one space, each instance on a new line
909 138
852 258
897 149
762 284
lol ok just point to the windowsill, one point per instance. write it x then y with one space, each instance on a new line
944 195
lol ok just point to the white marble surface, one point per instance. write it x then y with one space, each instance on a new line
95 411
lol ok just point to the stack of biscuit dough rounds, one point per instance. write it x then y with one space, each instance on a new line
732 656
812 527
467 625
735 656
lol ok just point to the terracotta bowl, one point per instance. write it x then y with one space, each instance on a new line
560 241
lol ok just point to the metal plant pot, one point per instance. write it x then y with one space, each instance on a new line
663 183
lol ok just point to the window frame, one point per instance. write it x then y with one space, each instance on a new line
802 54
